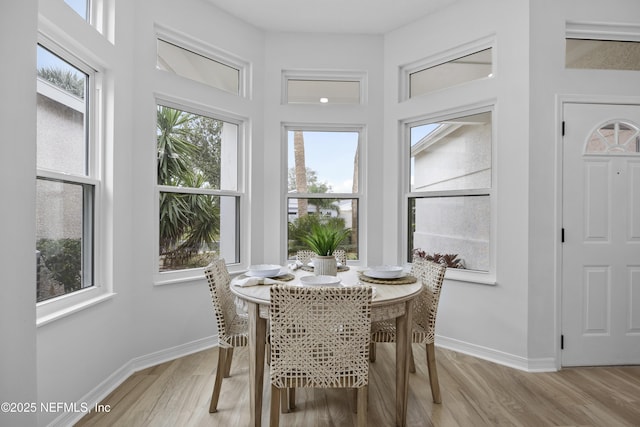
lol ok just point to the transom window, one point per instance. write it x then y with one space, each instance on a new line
614 137
323 184
462 69
198 67
198 189
602 54
67 176
449 198
81 7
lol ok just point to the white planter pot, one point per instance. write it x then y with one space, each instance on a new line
325 265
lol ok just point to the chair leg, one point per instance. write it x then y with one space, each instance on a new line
363 403
268 351
213 406
284 401
292 398
227 365
274 415
372 352
412 362
433 373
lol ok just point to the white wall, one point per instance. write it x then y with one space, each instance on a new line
514 321
78 352
549 81
179 313
18 378
322 52
491 320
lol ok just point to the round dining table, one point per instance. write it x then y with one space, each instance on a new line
390 301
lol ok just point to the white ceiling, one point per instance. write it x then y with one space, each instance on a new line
330 16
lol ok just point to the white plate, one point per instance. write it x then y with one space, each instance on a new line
376 275
319 281
264 270
385 272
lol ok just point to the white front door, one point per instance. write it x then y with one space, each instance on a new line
601 228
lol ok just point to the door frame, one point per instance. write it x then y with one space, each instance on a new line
561 100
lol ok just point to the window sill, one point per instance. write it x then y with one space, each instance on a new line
191 275
51 316
470 277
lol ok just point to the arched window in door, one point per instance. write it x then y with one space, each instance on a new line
614 137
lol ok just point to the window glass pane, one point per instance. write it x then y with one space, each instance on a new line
81 7
322 162
196 151
304 213
63 246
452 154
323 92
614 138
196 229
468 68
602 54
62 115
456 227
185 63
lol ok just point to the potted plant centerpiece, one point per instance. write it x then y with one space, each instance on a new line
324 240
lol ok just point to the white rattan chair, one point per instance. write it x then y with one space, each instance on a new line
320 339
425 309
232 327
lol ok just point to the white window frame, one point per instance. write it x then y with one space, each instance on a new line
442 58
360 195
188 275
474 276
215 54
64 305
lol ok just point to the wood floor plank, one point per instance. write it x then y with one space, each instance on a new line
474 393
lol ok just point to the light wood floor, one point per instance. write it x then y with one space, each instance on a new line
474 393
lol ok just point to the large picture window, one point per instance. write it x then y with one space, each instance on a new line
198 189
323 184
67 177
449 202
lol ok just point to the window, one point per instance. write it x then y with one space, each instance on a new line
602 54
319 88
323 92
462 69
197 67
449 201
198 189
81 7
67 176
323 184
614 137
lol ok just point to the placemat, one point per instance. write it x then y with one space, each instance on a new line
397 281
310 268
284 277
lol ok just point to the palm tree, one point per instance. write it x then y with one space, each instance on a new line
187 221
301 170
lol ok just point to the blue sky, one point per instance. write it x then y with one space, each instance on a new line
80 6
331 155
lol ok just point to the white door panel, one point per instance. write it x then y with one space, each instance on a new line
601 221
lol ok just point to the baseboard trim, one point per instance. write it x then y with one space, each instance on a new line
134 365
496 356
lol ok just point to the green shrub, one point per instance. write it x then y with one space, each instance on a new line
63 259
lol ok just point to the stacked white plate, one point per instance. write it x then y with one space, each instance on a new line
385 272
320 280
264 270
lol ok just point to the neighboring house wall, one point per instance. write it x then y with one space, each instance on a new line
442 224
62 126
